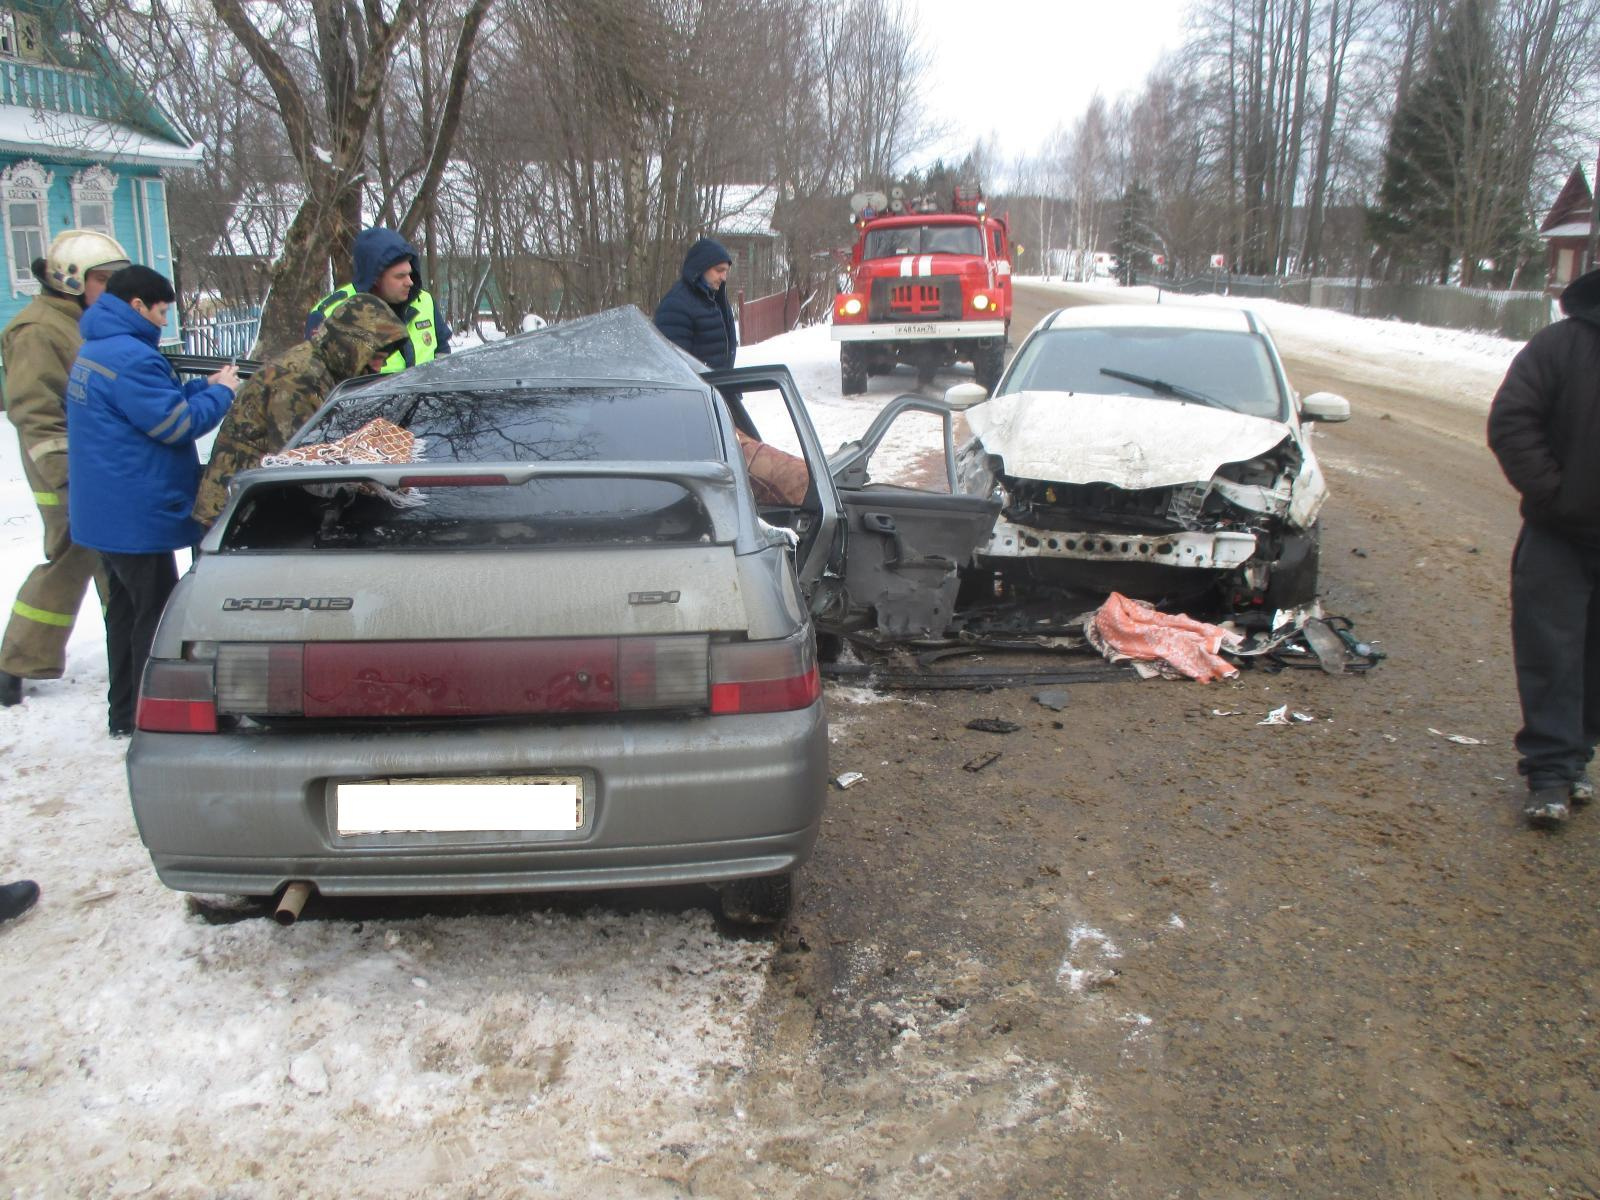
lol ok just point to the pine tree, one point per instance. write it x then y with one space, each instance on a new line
1132 243
1446 197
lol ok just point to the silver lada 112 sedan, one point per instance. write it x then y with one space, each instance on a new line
561 648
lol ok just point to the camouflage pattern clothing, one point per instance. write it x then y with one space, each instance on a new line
281 397
38 347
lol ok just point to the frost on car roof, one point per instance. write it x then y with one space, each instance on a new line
618 344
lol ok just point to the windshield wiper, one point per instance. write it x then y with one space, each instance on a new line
1162 388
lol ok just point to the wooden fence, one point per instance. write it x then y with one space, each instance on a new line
767 316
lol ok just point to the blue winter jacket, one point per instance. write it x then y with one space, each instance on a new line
695 318
374 251
131 430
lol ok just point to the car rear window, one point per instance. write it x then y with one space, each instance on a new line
1231 369
564 424
508 425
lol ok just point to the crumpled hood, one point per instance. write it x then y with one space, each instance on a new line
1128 441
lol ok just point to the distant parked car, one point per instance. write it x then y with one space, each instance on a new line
562 648
1157 450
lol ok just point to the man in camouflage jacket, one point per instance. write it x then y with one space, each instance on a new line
355 339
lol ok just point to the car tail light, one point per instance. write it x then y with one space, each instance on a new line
768 676
177 696
505 677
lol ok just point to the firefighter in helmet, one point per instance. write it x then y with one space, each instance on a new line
38 348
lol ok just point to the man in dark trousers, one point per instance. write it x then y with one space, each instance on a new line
695 314
1544 427
131 429
386 265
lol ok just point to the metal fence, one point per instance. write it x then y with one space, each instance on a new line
1516 315
228 332
768 316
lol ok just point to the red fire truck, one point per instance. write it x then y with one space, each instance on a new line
929 285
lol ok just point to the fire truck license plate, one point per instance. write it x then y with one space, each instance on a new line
916 330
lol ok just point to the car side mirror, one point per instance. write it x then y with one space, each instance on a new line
1324 406
965 395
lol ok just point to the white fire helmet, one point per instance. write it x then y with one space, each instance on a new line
76 252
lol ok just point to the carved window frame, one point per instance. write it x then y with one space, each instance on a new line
25 182
95 184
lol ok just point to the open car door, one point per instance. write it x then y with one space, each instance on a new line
908 539
766 406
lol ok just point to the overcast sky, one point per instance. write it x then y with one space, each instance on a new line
1020 67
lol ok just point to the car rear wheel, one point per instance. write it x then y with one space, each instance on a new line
852 370
758 901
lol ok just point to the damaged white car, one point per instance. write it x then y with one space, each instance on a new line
1155 450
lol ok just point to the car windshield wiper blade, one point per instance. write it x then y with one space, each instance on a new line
1162 387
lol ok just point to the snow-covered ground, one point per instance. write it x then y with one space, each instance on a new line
504 1050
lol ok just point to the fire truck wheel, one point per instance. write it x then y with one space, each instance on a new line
852 370
988 360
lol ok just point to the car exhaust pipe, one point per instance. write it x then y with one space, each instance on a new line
291 902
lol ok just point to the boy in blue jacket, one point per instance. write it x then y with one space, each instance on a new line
131 430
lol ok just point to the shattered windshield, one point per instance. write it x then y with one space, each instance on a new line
923 239
1232 370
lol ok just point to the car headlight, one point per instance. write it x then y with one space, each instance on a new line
851 307
980 302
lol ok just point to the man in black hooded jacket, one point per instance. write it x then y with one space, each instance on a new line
1544 427
695 314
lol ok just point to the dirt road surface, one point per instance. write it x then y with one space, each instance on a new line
1154 951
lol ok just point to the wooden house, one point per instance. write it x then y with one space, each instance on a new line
80 147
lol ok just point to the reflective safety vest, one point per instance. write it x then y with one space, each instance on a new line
418 317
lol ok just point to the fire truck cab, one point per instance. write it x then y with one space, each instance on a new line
928 286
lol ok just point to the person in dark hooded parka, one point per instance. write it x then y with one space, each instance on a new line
357 338
387 267
1544 427
695 314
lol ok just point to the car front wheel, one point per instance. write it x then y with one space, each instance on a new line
852 370
1294 576
988 361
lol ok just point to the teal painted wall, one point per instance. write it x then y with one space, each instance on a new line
139 218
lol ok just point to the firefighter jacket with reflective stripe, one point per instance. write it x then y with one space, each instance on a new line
38 347
131 429
428 335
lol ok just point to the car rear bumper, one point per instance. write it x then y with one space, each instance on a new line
669 800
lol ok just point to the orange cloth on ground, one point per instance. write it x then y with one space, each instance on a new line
1134 629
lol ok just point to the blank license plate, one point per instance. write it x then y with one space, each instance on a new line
549 803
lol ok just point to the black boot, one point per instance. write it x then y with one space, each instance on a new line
17 898
10 689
